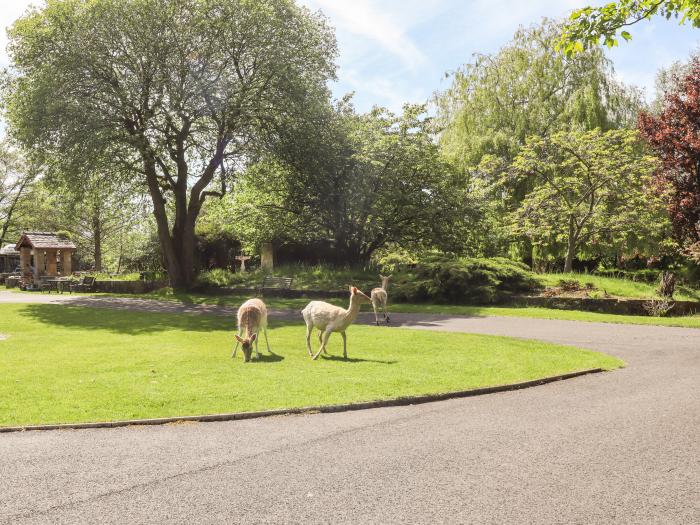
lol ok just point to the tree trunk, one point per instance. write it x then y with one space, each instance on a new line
178 246
570 247
97 238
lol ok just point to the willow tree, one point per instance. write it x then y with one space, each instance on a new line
171 89
527 88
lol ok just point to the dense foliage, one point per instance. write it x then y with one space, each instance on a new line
182 133
16 181
590 189
674 136
496 101
366 180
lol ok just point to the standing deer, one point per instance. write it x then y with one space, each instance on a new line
328 319
379 297
252 317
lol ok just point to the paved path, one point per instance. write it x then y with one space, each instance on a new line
621 447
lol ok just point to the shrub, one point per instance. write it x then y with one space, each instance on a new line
463 280
658 307
221 277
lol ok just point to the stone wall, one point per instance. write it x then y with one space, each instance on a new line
604 305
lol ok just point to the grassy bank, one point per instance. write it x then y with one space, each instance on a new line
617 287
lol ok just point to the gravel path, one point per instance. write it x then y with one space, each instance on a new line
620 447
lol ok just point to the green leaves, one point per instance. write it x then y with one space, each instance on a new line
591 26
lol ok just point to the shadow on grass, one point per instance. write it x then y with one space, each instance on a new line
355 360
268 358
129 322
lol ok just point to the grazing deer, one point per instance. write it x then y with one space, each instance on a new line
379 298
252 317
328 319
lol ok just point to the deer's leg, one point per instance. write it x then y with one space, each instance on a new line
308 338
320 342
326 335
267 342
386 314
257 354
376 316
236 347
345 345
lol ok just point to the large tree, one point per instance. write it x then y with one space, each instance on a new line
591 188
172 87
674 135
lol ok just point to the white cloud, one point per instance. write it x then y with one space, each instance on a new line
365 19
377 90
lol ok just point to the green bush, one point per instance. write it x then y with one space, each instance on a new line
464 280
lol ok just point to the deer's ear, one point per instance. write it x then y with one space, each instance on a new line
353 290
253 337
238 338
381 276
390 276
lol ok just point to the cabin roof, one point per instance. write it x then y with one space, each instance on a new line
45 240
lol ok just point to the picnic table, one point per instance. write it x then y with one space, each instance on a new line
57 285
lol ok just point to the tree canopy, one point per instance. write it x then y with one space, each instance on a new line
16 180
365 181
591 188
673 135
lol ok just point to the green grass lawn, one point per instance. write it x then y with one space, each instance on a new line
68 364
618 287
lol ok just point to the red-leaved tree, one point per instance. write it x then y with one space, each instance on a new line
674 135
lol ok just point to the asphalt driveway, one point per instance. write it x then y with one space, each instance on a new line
619 447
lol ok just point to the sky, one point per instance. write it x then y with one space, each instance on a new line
397 51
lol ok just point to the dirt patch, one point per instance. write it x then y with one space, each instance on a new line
575 289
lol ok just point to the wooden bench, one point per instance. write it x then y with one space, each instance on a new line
275 283
86 284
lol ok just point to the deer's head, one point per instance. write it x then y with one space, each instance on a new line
247 345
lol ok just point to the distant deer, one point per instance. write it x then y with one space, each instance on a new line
252 317
379 297
328 319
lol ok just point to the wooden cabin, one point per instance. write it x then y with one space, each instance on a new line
45 254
